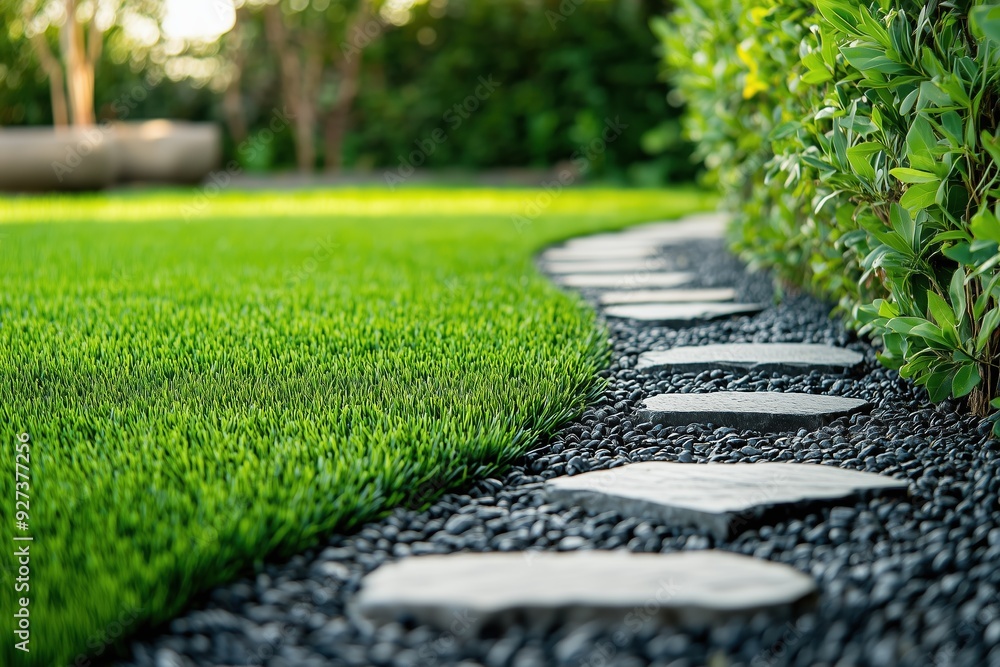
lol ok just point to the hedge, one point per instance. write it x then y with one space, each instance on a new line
859 145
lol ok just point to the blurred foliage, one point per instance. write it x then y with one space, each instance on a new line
129 86
24 91
564 70
561 75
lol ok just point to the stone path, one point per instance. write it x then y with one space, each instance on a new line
681 314
637 243
749 410
702 295
716 497
597 254
691 590
638 278
705 587
787 358
603 266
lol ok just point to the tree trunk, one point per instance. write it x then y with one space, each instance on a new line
232 99
312 77
338 119
57 91
305 139
53 70
294 85
79 69
232 108
57 83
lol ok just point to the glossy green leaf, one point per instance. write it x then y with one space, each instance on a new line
940 310
985 21
908 175
860 158
985 225
938 385
919 196
903 224
842 15
966 379
990 322
956 292
921 145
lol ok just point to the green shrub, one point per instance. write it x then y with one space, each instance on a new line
860 144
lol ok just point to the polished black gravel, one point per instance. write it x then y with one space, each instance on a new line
902 583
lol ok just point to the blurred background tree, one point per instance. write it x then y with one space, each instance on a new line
317 51
359 84
67 38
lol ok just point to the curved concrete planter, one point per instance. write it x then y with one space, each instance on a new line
163 151
159 151
37 159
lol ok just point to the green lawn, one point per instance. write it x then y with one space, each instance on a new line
207 382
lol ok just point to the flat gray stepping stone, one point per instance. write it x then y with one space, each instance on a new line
695 227
597 254
753 410
719 294
718 497
605 266
690 589
641 241
790 358
681 314
610 242
625 280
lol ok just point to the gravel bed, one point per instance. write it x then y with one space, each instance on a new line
901 583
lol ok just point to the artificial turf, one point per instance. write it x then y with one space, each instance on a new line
209 379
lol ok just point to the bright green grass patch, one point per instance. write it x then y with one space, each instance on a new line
223 379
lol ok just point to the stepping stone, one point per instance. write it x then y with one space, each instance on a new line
693 228
717 497
692 589
638 242
625 280
626 244
605 266
789 358
681 314
770 411
611 242
719 294
597 254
